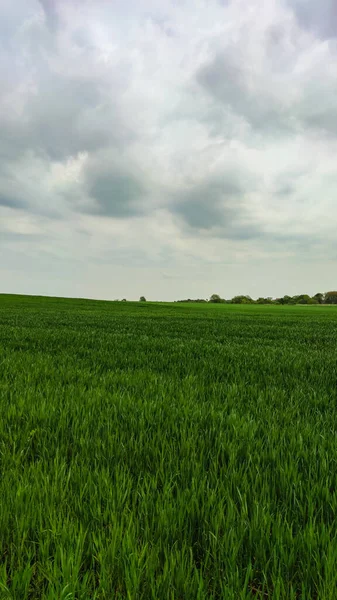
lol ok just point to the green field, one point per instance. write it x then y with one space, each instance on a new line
165 452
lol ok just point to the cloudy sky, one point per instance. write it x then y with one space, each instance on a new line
173 149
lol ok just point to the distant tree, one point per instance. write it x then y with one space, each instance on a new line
194 300
215 299
303 299
330 298
142 299
242 300
319 297
285 300
262 300
124 300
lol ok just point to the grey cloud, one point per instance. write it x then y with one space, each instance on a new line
217 205
31 207
14 236
200 215
49 8
164 25
57 109
286 184
285 190
69 116
317 16
11 202
116 194
65 118
135 257
222 208
320 118
18 192
202 206
14 139
226 80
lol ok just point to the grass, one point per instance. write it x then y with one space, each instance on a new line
167 452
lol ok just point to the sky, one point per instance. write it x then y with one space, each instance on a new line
171 149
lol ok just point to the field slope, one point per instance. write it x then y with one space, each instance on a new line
165 452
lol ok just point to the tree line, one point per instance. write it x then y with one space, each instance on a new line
319 298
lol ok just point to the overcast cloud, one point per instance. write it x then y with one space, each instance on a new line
172 149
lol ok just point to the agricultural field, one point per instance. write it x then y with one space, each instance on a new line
167 451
